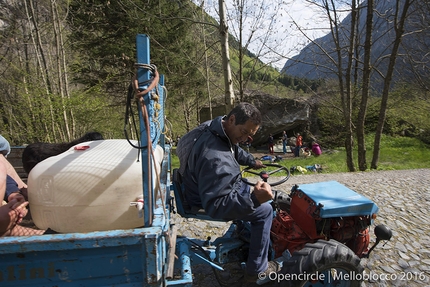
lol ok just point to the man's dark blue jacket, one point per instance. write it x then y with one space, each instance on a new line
211 172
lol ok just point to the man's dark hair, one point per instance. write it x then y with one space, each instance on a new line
244 112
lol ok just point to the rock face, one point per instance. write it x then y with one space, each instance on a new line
279 114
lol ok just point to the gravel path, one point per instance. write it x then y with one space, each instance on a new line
403 197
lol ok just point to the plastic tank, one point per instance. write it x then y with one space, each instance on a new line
89 188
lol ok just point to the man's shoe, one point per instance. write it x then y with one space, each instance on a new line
272 267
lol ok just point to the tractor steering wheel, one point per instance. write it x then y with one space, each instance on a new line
264 175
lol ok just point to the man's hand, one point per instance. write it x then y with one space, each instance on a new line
263 191
258 164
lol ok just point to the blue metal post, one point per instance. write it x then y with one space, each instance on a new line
154 247
143 76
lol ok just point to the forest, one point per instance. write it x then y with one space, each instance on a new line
67 65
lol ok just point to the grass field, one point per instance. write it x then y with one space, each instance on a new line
396 153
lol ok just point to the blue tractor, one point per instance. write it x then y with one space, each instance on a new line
320 231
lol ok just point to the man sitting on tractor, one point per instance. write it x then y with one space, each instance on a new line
210 159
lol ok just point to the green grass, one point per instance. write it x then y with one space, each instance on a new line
396 153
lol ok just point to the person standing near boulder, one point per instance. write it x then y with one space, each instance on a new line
299 143
270 144
284 142
248 142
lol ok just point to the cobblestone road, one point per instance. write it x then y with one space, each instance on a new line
403 198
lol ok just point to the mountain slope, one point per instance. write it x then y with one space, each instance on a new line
318 60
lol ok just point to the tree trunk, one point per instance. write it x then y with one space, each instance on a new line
344 84
228 83
241 49
350 89
206 65
56 24
43 66
399 27
362 163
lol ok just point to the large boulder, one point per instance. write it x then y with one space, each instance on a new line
279 114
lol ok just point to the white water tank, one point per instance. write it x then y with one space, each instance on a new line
89 187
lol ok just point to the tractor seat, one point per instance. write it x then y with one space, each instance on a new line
182 206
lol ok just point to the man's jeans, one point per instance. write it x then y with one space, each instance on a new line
261 223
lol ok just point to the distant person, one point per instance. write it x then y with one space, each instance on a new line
299 144
248 142
316 149
284 142
270 144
